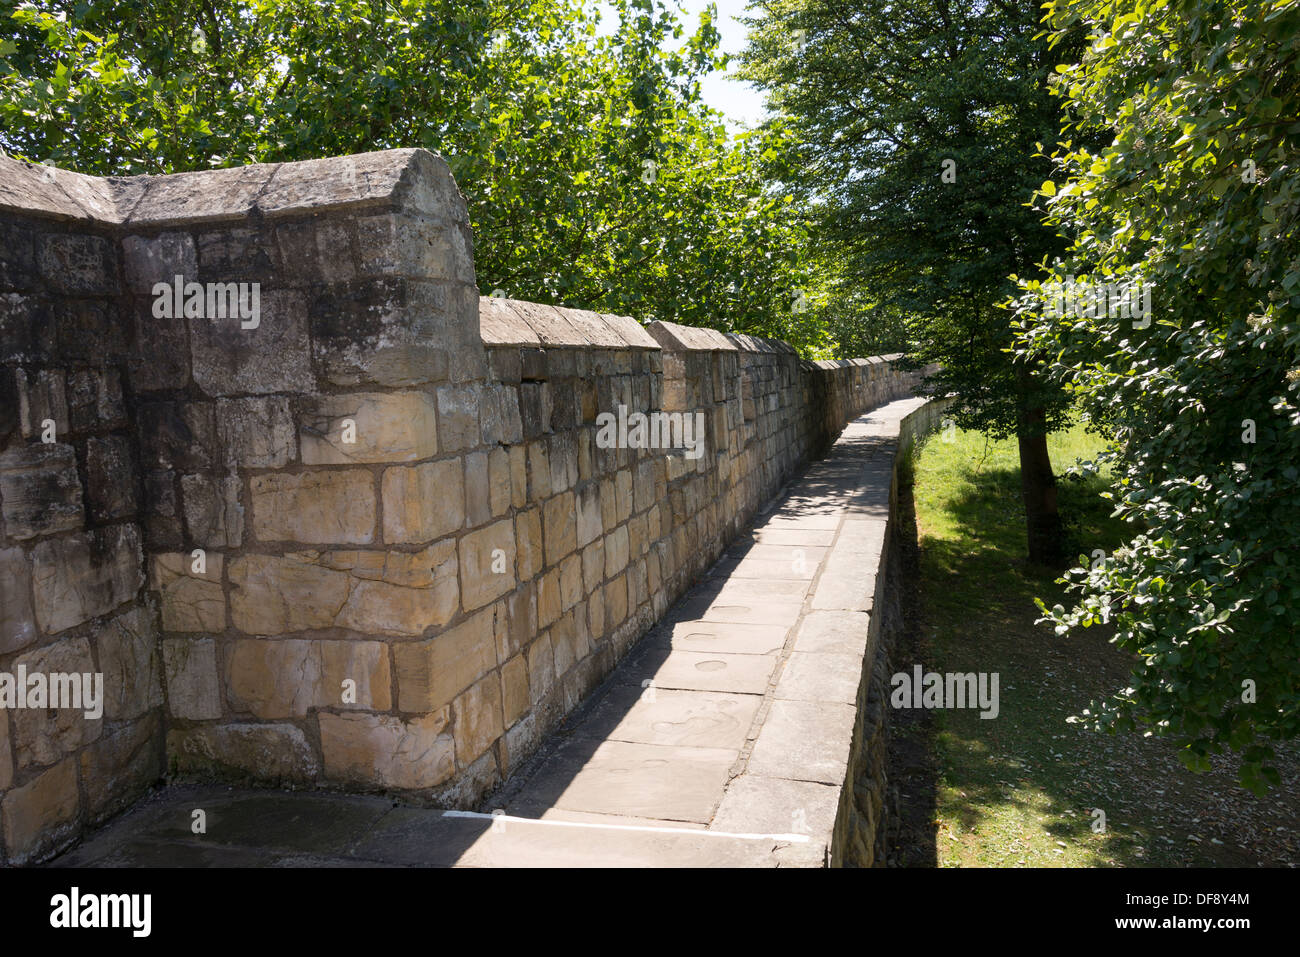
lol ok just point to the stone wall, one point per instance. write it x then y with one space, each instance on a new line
71 572
370 539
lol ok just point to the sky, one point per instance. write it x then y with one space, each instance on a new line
739 102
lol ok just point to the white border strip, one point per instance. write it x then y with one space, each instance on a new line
479 815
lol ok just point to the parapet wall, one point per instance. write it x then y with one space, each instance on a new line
373 537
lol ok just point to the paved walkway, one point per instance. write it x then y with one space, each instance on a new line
721 740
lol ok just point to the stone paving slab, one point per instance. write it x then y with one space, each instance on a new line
700 671
725 637
675 718
619 777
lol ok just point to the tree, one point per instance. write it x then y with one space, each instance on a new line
916 125
1197 198
595 175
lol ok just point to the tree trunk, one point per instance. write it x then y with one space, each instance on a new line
1038 483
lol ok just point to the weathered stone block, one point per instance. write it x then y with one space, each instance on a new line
321 507
487 564
380 592
317 251
564 462
162 511
518 476
571 581
273 357
616 551
42 400
214 516
623 487
528 540
560 527
478 719
387 427
41 814
535 408
17 623
541 668
78 577
190 665
593 565
42 736
191 601
275 753
382 750
478 502
431 673
539 472
161 258
423 502
127 647
409 244
550 598
458 416
520 622
40 490
289 677
78 264
514 689
110 478
615 603
95 400
119 767
256 432
177 435
499 482
589 525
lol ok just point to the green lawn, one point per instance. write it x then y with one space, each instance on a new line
1020 789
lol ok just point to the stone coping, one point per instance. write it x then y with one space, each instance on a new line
514 322
414 180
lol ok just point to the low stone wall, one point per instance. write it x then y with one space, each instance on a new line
369 538
861 830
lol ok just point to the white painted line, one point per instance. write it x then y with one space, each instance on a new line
792 838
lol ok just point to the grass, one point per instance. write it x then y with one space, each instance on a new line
1021 789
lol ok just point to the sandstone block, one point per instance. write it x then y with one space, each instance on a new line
458 416
384 593
289 677
275 753
17 622
256 432
190 666
528 541
40 490
389 427
514 689
381 750
431 673
213 513
78 577
487 564
423 502
119 767
43 736
321 507
40 815
191 601
560 527
478 719
127 647
478 504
